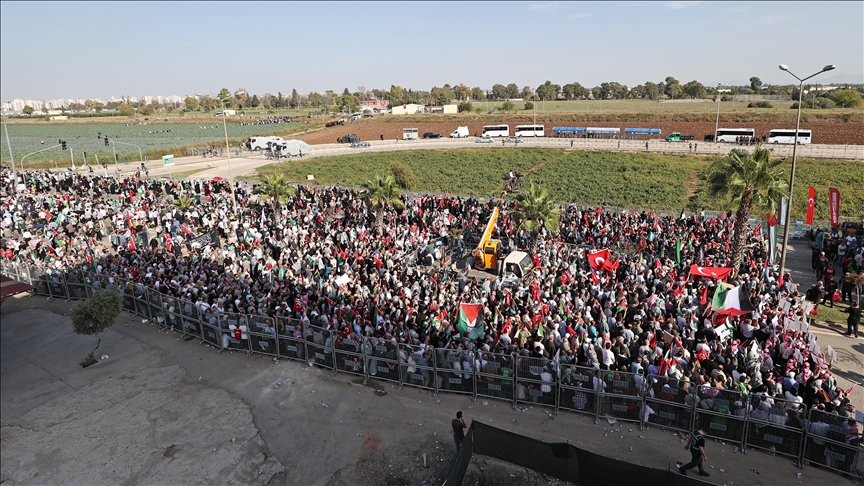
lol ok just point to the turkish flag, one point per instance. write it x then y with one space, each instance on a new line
811 204
131 245
713 272
611 265
598 260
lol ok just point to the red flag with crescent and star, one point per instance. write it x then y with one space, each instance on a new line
811 205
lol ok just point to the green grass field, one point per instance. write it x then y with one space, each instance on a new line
636 180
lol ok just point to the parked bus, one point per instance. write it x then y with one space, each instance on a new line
529 131
731 135
496 131
787 136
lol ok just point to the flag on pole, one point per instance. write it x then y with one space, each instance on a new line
470 318
811 204
678 245
772 238
730 300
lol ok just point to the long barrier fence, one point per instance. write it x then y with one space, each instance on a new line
757 422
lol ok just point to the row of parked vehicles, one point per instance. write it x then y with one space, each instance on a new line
277 147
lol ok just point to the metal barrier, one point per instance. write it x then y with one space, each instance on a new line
670 403
721 414
826 444
535 381
576 390
781 431
262 335
771 424
493 377
319 347
349 355
454 371
383 358
622 396
417 367
290 335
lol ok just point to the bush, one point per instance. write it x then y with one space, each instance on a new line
760 104
403 175
508 106
824 103
529 105
465 107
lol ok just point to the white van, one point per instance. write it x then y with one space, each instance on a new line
293 148
460 132
260 143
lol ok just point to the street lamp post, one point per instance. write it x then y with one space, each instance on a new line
228 154
11 157
784 67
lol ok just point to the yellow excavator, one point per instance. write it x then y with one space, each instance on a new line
487 252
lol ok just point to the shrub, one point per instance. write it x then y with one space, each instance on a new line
465 107
403 175
824 103
529 105
508 106
760 104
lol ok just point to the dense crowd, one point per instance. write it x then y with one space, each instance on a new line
320 258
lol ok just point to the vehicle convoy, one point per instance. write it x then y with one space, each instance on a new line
261 143
350 138
460 132
677 137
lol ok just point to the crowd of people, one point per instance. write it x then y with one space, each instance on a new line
321 257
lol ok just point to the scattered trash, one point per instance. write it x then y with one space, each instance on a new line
722 470
199 378
359 435
799 475
233 440
438 401
434 434
755 471
485 403
324 405
611 420
104 356
260 472
641 436
631 449
421 425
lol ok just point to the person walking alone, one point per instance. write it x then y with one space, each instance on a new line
696 446
853 320
458 430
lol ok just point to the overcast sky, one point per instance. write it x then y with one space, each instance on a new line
102 49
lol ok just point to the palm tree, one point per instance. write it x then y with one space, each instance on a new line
753 181
536 210
276 189
380 193
183 203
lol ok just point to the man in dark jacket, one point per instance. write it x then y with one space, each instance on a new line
853 320
830 289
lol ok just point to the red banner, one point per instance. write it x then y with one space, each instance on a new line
811 204
834 204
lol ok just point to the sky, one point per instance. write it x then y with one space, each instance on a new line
51 50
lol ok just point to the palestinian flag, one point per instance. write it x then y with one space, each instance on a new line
731 301
470 319
678 245
665 362
772 238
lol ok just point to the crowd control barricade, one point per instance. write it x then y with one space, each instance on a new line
721 415
39 280
157 311
417 369
107 283
91 283
290 334
126 291
454 371
349 355
262 335
383 359
781 431
493 377
236 320
57 285
669 405
622 396
319 346
139 294
210 328
172 313
75 285
535 381
576 389
190 318
826 445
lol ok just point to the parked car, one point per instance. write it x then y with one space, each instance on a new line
431 135
514 140
335 123
355 117
483 140
350 138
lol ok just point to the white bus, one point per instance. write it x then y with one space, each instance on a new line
496 131
529 131
787 136
731 135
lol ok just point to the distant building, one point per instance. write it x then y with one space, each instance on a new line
375 104
407 109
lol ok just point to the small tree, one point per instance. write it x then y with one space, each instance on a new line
380 193
529 105
465 107
403 175
183 203
276 190
536 210
857 280
28 110
508 106
94 316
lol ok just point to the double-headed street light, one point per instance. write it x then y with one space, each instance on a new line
784 67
